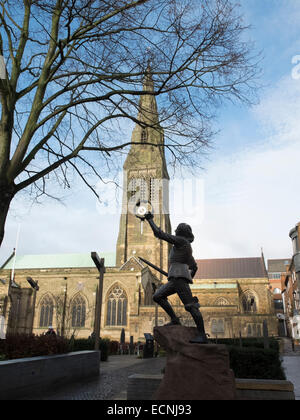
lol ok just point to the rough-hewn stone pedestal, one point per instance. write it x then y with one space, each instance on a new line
193 371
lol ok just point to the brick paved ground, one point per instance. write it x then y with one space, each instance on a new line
112 382
291 364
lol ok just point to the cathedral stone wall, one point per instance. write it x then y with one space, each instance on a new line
223 303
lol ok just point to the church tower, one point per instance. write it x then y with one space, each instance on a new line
145 179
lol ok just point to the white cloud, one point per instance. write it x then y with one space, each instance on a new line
252 198
279 111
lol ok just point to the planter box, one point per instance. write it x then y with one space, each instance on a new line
35 375
142 387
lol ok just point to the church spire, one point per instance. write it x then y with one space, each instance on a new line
147 104
145 178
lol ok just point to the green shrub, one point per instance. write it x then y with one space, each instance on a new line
104 348
16 346
247 342
256 363
252 361
82 344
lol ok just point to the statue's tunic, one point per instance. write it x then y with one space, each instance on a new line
181 260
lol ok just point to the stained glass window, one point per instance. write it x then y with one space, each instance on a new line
46 313
116 313
78 310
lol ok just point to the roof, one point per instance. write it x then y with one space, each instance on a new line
58 261
278 266
231 268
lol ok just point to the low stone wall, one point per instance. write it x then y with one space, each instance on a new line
35 375
264 389
142 387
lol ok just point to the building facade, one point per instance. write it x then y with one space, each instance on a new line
291 291
277 269
234 293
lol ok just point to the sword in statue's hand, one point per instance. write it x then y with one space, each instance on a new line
154 266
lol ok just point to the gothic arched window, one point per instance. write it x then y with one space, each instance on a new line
249 303
46 312
144 194
132 187
116 313
78 311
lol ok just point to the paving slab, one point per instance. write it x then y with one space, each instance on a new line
291 365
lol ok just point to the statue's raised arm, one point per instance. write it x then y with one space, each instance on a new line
182 269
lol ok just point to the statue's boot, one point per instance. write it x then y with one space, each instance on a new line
174 321
201 338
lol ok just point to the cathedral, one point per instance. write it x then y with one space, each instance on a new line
234 293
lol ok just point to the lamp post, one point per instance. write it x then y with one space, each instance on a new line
99 263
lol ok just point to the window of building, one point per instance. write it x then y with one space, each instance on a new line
154 189
217 326
46 312
144 190
116 312
78 311
274 276
132 187
254 330
278 304
249 303
144 136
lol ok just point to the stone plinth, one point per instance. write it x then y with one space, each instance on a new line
193 371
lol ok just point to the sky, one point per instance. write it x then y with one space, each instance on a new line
247 197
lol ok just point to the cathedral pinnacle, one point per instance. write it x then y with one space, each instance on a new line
147 104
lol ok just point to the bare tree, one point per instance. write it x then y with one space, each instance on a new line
74 68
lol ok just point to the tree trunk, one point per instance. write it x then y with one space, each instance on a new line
6 196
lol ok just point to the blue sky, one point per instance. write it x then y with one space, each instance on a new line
248 192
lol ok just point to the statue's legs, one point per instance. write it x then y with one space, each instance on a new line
182 288
160 297
191 305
